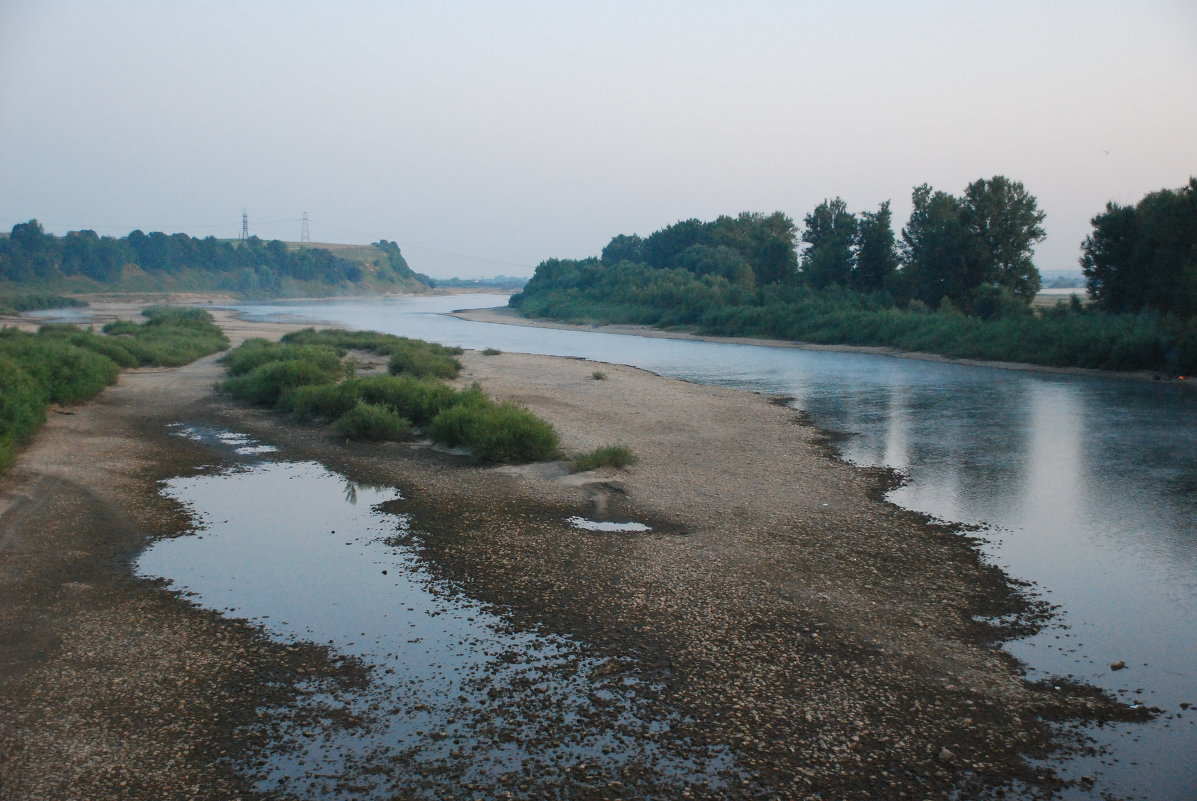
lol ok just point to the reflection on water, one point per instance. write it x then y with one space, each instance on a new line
310 555
1086 486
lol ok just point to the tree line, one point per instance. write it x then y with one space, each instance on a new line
30 256
958 279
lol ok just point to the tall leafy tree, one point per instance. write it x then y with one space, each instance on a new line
935 248
623 248
876 256
1005 222
1144 257
978 247
830 233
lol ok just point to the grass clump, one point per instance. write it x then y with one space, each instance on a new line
321 401
22 408
268 383
413 357
419 400
171 336
491 352
254 353
616 456
372 423
599 375
496 431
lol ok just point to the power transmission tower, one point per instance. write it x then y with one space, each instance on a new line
305 235
244 226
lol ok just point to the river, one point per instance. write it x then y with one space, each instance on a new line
1084 486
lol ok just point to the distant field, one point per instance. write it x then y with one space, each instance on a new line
351 252
1048 297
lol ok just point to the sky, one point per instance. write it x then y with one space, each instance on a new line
484 137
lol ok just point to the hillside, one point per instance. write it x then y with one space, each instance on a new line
34 261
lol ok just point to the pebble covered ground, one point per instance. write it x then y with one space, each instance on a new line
781 615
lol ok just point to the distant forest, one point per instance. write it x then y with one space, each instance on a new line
81 261
958 280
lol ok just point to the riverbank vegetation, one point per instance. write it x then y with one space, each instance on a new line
616 456
958 282
18 302
312 375
82 261
64 364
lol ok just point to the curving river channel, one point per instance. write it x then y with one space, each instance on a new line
1084 486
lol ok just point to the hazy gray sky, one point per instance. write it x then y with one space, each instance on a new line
484 137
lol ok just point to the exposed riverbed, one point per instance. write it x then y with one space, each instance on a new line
1086 486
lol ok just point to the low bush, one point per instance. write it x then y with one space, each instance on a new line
497 432
321 401
307 383
422 363
171 336
267 384
491 352
419 400
17 302
372 423
254 353
64 364
66 373
22 408
617 456
413 357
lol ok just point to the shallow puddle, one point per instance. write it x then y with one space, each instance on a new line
457 696
605 525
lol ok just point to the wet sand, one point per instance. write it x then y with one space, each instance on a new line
827 637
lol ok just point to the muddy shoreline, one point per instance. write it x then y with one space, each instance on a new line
827 637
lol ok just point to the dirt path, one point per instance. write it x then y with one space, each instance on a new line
823 634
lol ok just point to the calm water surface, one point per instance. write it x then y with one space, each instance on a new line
1085 486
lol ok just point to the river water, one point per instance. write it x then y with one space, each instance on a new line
1084 486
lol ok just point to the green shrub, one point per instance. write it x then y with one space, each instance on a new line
15 303
599 375
321 401
497 432
491 352
617 456
253 353
419 400
422 363
372 423
268 383
22 408
66 374
170 337
408 356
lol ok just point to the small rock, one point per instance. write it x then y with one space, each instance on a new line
1119 665
945 755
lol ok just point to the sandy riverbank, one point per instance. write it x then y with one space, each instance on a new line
824 635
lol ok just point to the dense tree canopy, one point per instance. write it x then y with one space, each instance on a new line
31 256
1144 257
748 249
971 249
830 232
